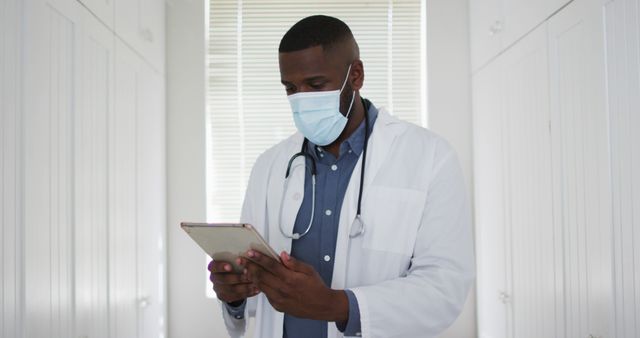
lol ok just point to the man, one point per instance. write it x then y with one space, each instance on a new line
383 250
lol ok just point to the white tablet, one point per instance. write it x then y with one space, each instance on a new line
227 241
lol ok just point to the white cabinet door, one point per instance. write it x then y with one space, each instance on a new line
532 260
11 170
522 16
103 9
486 30
50 104
497 24
138 199
581 166
151 202
622 19
93 178
519 279
123 203
91 144
558 144
140 23
488 133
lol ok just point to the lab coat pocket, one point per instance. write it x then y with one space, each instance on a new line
392 217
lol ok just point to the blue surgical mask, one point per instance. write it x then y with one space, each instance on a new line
317 114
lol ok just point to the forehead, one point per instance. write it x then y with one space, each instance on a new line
312 61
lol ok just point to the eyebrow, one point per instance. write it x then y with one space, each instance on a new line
309 79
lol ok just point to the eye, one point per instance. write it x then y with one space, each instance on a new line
290 89
318 85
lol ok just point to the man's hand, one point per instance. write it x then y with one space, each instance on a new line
295 288
230 287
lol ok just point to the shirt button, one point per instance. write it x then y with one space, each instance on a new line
297 196
327 258
328 212
334 167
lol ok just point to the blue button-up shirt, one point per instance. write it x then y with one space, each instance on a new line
317 248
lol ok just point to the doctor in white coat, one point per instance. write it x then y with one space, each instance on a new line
403 264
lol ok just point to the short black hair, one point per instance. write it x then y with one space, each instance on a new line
316 30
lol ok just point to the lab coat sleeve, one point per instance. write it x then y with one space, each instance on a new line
254 213
430 297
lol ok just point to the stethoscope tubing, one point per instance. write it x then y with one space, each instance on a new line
303 152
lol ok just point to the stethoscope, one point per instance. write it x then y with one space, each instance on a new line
357 228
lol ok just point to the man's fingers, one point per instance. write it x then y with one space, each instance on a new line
265 262
223 273
233 293
228 278
246 289
220 266
261 277
295 265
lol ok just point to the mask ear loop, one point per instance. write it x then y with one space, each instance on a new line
346 78
353 95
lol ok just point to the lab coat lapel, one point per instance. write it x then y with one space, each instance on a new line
384 134
378 147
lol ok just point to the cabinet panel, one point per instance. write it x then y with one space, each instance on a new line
520 277
140 23
103 9
488 115
50 92
91 178
497 24
11 222
487 25
622 19
532 259
522 16
123 229
568 183
138 199
151 198
581 169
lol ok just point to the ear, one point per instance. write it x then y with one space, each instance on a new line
357 74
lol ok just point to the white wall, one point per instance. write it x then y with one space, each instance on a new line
190 313
449 104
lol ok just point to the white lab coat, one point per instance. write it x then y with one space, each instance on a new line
412 268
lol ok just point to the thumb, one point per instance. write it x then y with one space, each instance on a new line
292 263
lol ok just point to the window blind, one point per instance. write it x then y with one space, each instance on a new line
247 108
